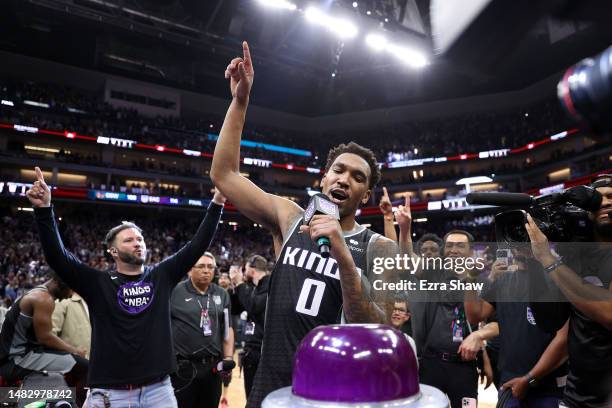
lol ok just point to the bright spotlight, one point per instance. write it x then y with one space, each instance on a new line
409 56
376 41
282 4
314 15
343 28
355 4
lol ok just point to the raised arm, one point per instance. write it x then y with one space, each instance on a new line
64 263
403 216
273 212
593 301
177 265
387 211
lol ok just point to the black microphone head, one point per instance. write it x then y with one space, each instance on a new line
500 199
320 204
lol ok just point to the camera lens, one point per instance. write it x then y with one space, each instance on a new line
585 91
517 233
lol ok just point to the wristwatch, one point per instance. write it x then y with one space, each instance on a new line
532 381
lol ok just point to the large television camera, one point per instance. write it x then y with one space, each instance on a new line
477 36
562 217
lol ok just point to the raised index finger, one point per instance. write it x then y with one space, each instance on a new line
39 175
385 193
407 200
246 53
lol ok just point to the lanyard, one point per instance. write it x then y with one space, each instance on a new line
205 321
457 324
207 304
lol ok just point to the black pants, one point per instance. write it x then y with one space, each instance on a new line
456 379
195 385
250 361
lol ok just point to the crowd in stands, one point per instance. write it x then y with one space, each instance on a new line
87 113
467 133
22 264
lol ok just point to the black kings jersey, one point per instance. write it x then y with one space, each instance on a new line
304 293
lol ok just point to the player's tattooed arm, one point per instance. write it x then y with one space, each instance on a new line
357 302
377 277
365 304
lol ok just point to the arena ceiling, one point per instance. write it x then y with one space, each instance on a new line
301 67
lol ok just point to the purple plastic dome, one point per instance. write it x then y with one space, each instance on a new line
355 363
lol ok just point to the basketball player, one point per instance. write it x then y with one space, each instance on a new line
28 344
306 290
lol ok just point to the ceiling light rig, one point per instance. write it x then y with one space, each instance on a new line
346 30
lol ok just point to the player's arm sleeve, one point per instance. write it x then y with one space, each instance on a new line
76 274
177 265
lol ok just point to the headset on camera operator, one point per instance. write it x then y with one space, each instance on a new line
589 383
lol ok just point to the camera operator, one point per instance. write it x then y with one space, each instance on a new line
530 360
589 382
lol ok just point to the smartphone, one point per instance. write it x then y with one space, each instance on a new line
504 255
469 403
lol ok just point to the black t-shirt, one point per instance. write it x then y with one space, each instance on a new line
589 383
186 308
253 300
130 315
304 293
438 319
521 341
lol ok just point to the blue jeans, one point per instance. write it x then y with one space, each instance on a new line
532 401
157 395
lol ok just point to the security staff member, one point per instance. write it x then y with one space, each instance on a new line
203 336
254 302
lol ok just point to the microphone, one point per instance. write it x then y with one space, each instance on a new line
321 204
500 199
224 365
